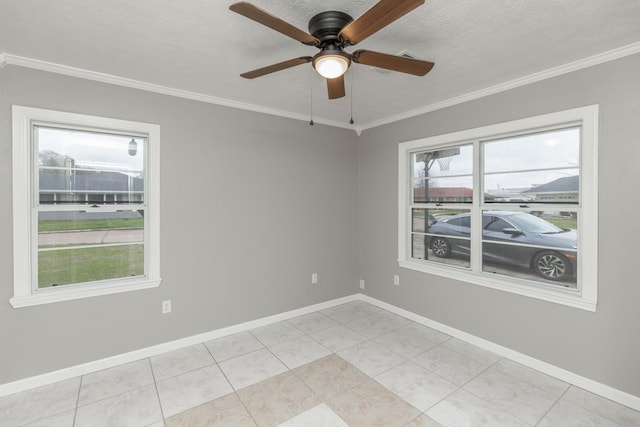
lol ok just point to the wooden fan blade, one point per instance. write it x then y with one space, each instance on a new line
392 62
379 16
263 17
276 67
335 87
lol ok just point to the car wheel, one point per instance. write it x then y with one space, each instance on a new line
551 265
441 247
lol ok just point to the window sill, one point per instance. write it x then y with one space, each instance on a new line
569 298
73 292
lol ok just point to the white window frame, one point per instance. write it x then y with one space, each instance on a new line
586 296
25 232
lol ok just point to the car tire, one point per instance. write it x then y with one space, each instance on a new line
551 265
441 247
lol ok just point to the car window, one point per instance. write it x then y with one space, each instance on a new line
464 221
497 224
533 224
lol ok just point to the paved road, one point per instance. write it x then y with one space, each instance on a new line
91 237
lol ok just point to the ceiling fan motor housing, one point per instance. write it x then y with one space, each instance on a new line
326 26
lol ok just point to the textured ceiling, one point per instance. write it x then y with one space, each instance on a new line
200 46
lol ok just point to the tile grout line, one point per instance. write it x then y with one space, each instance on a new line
290 370
462 387
441 400
505 410
373 378
75 412
244 353
155 385
529 382
552 406
410 360
459 387
75 409
235 391
120 393
605 416
185 372
279 342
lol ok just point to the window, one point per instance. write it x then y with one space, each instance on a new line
85 202
511 206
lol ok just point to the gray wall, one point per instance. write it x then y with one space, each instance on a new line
604 345
251 206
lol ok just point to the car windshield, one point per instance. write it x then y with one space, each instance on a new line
533 224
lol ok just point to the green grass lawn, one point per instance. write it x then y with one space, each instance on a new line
67 266
564 222
89 224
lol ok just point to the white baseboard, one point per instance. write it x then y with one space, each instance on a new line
569 377
110 362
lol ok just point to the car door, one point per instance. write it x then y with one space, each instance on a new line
460 226
493 229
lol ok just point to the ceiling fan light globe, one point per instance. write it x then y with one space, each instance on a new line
331 66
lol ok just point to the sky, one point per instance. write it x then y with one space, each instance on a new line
93 150
516 162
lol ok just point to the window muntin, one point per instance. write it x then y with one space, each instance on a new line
86 206
443 176
537 167
444 238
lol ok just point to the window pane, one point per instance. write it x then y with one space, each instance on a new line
536 245
443 162
548 150
82 167
76 247
447 237
444 190
556 186
68 266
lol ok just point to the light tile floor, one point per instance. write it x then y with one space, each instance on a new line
350 365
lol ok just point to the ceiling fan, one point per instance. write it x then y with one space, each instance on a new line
332 32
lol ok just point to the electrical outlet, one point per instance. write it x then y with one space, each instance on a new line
361 284
314 278
166 306
396 280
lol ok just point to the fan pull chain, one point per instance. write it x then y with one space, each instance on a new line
311 96
351 96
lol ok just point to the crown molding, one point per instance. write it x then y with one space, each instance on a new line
6 58
164 90
512 84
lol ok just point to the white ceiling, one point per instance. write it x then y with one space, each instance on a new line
201 47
